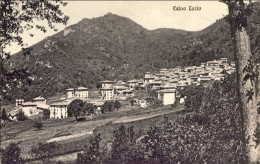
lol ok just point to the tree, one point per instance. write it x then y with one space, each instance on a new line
117 105
88 108
75 108
16 17
38 125
44 151
4 115
21 116
124 140
92 154
11 154
151 92
194 95
108 106
46 114
245 72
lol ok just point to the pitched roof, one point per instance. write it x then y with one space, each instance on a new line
82 88
39 98
167 91
63 103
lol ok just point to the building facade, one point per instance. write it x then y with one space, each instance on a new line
59 110
19 102
80 92
167 96
107 93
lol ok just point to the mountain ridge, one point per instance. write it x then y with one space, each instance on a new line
114 47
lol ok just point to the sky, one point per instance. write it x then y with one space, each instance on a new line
149 14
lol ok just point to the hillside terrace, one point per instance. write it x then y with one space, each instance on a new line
164 79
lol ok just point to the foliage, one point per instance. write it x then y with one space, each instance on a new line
38 125
193 95
4 115
44 151
257 134
124 147
155 103
151 92
11 154
16 17
211 134
117 104
108 106
46 114
92 154
75 108
132 102
21 116
88 108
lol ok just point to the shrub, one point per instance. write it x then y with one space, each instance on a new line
108 106
4 115
46 114
38 125
11 154
92 154
44 151
21 116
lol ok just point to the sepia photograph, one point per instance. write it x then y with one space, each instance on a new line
129 82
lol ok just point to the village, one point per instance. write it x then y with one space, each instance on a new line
166 82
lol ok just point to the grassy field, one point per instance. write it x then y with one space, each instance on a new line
78 132
140 127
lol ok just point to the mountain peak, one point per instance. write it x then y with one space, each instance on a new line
110 14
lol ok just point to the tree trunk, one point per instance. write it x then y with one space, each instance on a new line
245 81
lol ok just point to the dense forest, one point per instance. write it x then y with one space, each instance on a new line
114 47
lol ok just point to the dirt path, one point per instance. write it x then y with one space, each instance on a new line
133 118
70 136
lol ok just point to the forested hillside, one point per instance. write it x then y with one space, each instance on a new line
115 47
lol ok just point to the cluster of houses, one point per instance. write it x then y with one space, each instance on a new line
58 109
165 82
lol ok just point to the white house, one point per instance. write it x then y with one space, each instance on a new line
35 107
80 92
30 108
128 93
107 83
107 93
148 77
70 93
39 100
19 102
132 83
59 110
167 96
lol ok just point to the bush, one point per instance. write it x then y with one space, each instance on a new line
109 106
20 116
88 108
11 154
4 115
45 151
46 114
92 154
38 125
194 95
